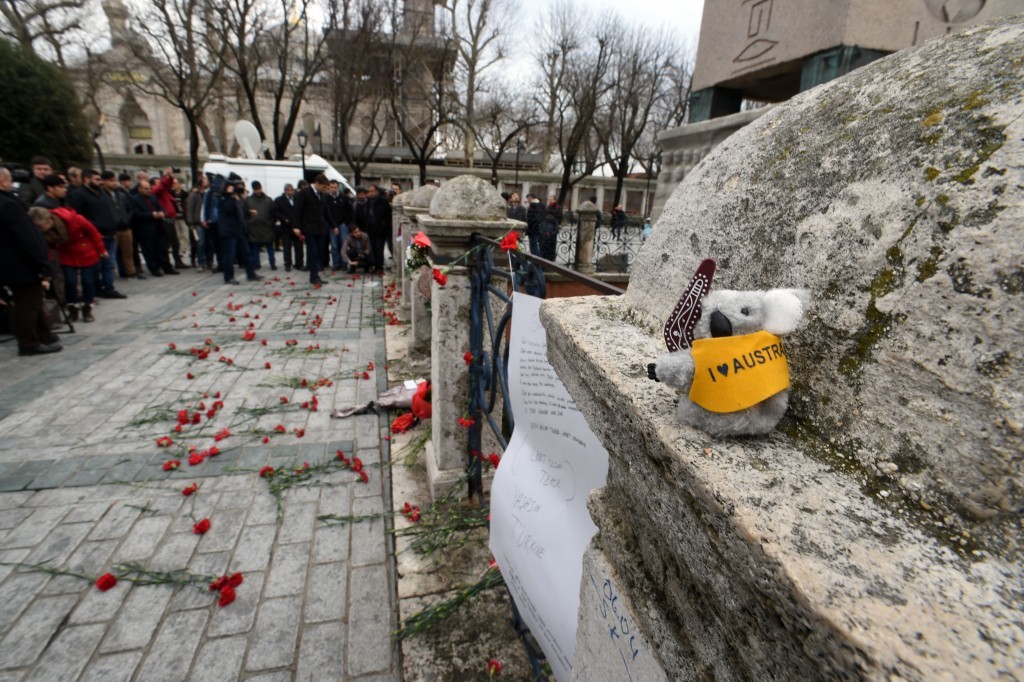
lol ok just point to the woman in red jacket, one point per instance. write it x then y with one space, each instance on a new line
79 257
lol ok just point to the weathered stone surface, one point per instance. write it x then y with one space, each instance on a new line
467 198
877 532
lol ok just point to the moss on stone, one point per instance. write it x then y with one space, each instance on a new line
927 268
975 100
931 173
942 199
932 119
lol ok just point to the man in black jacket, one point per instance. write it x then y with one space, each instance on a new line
95 203
374 217
339 213
284 214
312 223
147 227
24 268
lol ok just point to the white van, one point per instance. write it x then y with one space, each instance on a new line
273 175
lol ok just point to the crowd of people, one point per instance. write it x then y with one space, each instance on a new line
67 236
542 221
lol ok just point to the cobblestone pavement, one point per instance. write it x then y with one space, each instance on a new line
82 488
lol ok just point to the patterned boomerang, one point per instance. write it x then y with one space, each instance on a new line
686 314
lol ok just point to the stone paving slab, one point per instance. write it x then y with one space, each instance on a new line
82 489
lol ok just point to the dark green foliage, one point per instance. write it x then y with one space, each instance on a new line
40 112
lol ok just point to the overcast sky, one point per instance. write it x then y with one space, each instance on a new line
680 16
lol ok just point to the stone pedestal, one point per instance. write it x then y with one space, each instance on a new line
875 533
585 238
414 204
462 207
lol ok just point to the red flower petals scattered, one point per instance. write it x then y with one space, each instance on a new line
227 595
403 423
106 582
410 512
190 489
172 464
468 357
222 434
466 422
201 527
249 335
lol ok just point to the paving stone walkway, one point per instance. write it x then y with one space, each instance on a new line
82 489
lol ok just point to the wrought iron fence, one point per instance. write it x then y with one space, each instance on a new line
615 249
488 371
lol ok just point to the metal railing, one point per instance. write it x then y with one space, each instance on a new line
488 371
615 249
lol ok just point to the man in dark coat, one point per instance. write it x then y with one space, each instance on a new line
260 225
24 268
147 229
374 217
284 214
312 223
231 229
31 190
339 213
534 217
95 204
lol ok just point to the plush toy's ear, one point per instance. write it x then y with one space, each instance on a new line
783 309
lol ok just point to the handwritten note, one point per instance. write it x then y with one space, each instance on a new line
540 525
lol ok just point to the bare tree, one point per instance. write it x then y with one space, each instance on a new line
480 44
183 64
560 41
640 68
362 81
45 27
422 98
275 51
502 121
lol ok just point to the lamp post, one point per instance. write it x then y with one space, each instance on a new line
519 148
303 138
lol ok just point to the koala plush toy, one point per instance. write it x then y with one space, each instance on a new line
725 352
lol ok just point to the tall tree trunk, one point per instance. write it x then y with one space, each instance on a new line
193 145
620 179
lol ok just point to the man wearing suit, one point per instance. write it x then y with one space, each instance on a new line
284 214
312 223
374 218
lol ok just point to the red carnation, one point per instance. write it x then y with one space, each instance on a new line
235 580
493 667
403 423
266 471
357 464
284 400
195 458
171 464
214 451
227 595
439 277
266 440
190 376
494 459
468 357
510 242
190 489
172 347
164 441
299 433
267 365
201 527
106 582
280 429
363 476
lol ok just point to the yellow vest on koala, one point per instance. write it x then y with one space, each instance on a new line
733 373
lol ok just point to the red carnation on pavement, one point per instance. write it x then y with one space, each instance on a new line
365 375
172 347
267 365
266 471
164 441
280 429
190 489
227 595
106 582
235 580
510 242
171 464
403 423
195 458
369 365
264 341
299 433
363 477
357 464
284 400
222 434
439 277
414 515
190 376
493 667
201 527
266 439
214 451
248 334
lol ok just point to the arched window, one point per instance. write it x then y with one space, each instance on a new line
143 148
136 123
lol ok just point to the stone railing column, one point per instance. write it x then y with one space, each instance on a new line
585 237
463 206
417 203
399 240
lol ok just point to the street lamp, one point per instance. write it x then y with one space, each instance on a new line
303 138
519 148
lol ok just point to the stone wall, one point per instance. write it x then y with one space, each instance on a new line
877 533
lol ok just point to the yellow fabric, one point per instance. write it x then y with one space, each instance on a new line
733 373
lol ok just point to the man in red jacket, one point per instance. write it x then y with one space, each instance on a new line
170 204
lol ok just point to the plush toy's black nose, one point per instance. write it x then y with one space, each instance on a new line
720 325
652 372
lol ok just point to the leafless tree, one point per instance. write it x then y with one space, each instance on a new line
502 121
44 27
274 50
640 68
362 81
476 26
183 62
421 99
559 42
575 53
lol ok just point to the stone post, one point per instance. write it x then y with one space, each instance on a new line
399 240
585 237
463 206
417 203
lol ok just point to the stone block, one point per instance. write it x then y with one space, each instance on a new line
68 655
170 656
328 593
288 570
138 620
320 655
369 621
273 641
31 634
220 659
254 548
113 668
239 618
